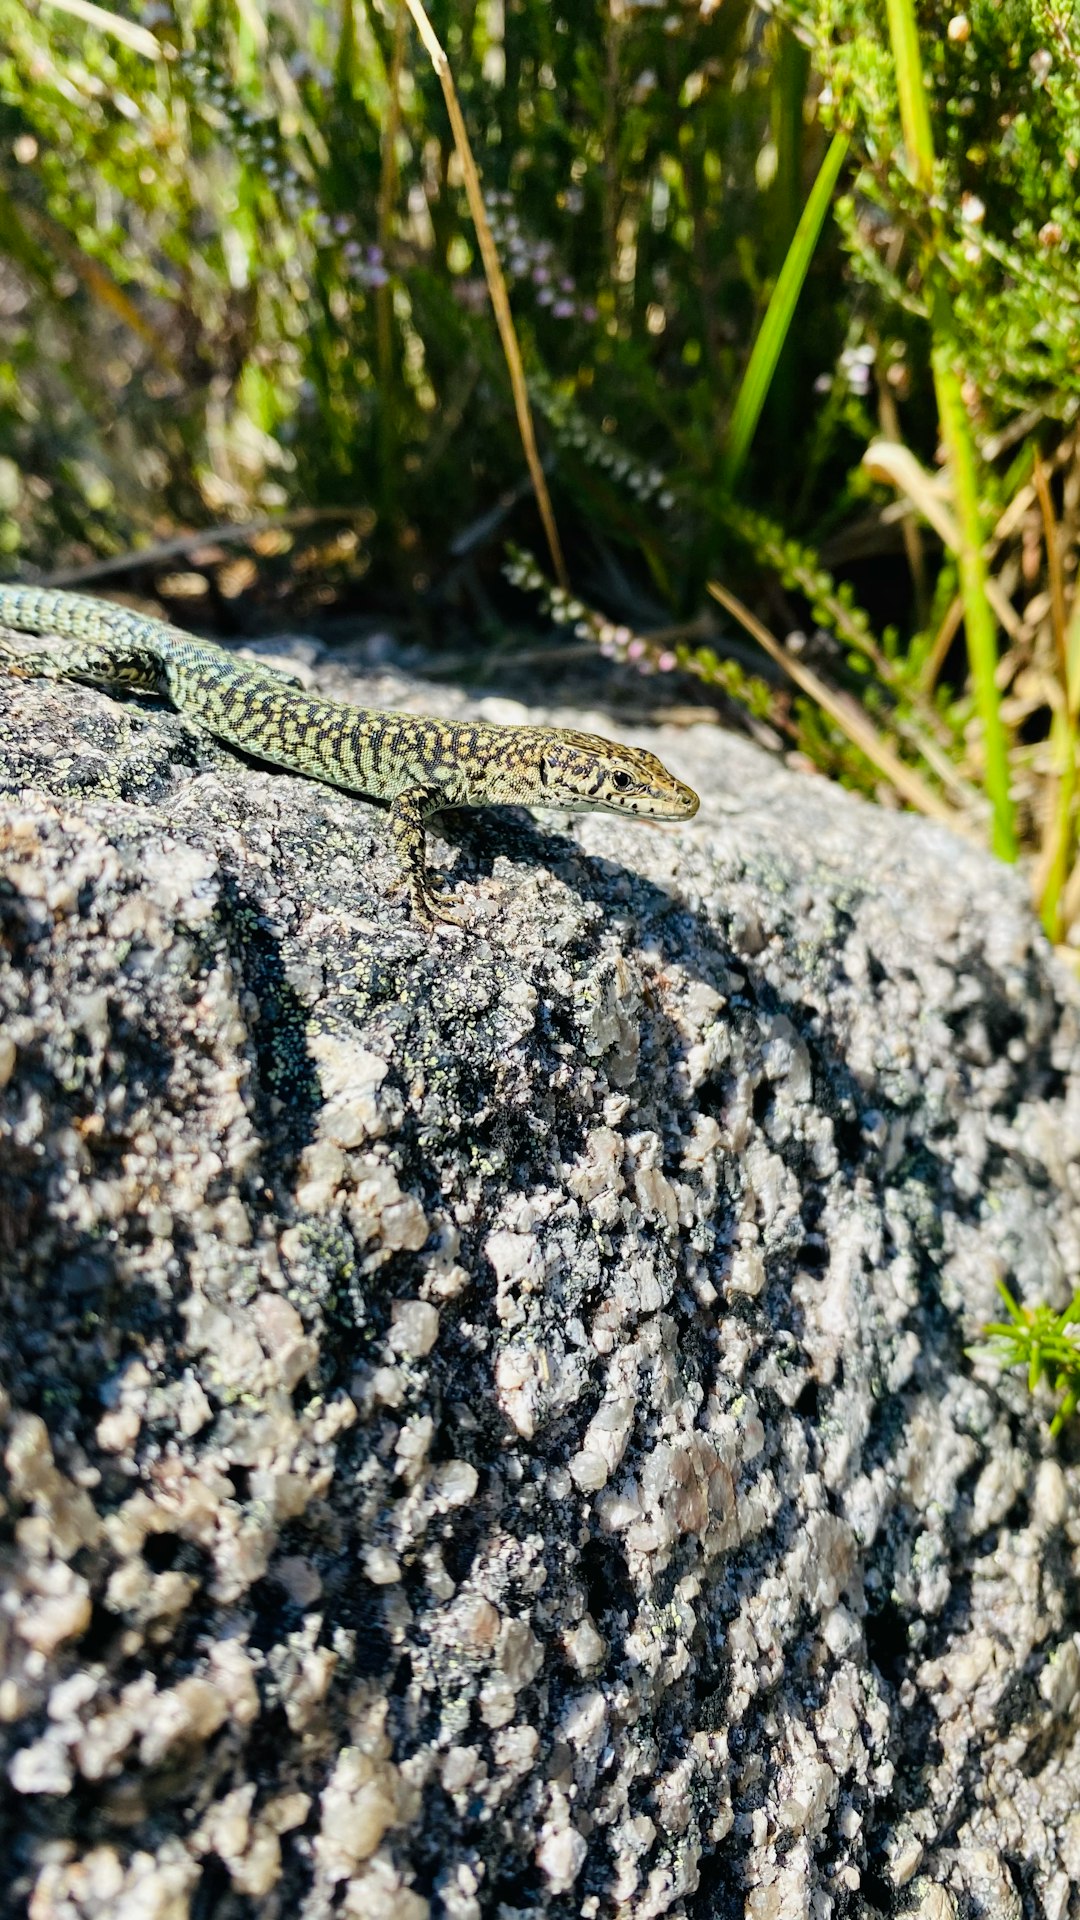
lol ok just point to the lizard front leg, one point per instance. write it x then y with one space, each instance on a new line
407 816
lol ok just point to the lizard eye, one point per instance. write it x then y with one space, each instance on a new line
621 780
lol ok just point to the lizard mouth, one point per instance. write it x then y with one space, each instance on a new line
681 804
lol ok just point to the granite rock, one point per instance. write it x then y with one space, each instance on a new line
486 1422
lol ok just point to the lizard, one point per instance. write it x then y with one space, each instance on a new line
415 762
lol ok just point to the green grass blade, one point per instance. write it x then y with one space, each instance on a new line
787 99
779 314
914 113
979 626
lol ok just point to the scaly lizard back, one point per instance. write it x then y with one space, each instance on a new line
416 763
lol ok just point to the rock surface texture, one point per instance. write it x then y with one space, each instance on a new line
487 1431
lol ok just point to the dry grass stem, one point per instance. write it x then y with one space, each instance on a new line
1055 572
943 640
898 466
493 273
847 714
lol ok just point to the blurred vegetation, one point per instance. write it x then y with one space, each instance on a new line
796 288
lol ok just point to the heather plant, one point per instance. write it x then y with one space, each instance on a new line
254 221
244 285
967 125
1002 96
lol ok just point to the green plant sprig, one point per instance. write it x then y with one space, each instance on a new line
1037 1339
646 653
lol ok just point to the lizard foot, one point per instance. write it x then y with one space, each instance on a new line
26 666
431 907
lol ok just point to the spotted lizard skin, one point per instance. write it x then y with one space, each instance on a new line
416 763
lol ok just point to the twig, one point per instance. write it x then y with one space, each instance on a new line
184 543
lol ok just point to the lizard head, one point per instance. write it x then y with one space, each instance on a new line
583 771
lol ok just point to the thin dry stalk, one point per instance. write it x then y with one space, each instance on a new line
909 525
1070 902
384 295
943 640
493 273
1052 876
938 761
847 715
97 279
1055 572
898 466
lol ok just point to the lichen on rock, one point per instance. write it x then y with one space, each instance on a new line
486 1422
